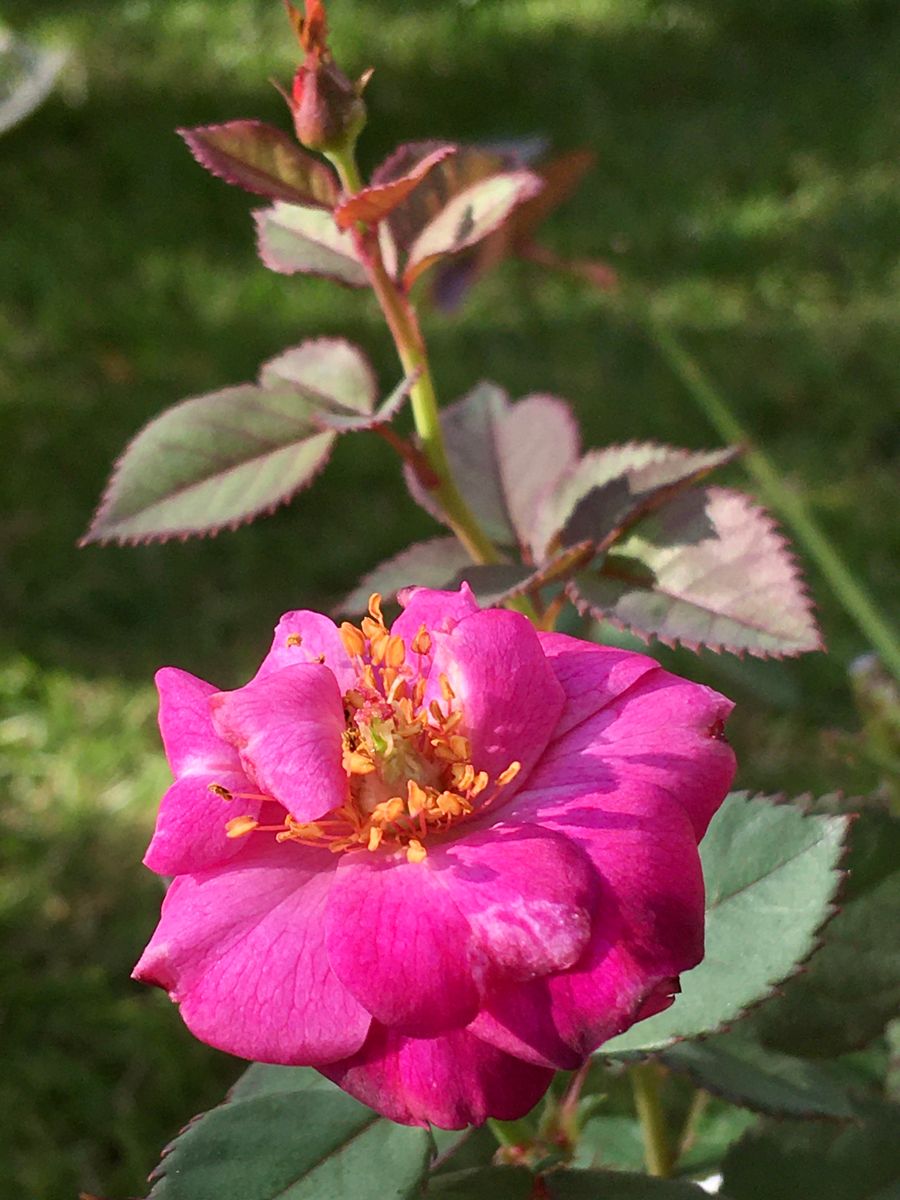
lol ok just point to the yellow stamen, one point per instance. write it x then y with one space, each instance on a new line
421 643
479 783
375 836
460 747
396 652
357 763
375 607
222 792
353 640
509 774
372 629
446 690
380 642
238 826
293 639
416 798
436 711
416 852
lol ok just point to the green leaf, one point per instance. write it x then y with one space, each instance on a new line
222 459
298 240
468 217
741 1070
613 1141
804 1160
851 987
504 457
771 877
284 1133
263 159
709 569
431 564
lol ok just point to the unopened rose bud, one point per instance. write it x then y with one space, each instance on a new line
328 111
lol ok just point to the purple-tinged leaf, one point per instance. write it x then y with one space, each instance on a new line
469 217
222 459
263 159
330 369
470 164
709 569
505 457
347 422
433 564
610 488
299 240
373 204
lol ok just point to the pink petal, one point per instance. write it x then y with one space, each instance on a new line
527 894
400 945
449 1081
510 698
318 636
438 611
591 676
241 949
662 730
287 728
190 827
648 924
191 742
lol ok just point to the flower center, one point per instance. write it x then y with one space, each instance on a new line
409 767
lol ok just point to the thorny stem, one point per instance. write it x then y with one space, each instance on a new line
404 326
853 596
658 1154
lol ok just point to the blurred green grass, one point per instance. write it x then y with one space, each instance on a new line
748 189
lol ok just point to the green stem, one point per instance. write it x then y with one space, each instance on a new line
404 326
658 1155
852 595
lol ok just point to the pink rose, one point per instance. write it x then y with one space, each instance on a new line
435 862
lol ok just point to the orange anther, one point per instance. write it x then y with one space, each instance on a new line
416 852
421 643
353 640
396 652
238 826
416 798
509 774
355 762
293 639
218 790
354 699
446 690
379 642
375 836
461 747
479 783
370 628
375 607
435 709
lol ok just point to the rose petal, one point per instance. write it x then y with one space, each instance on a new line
438 611
661 730
526 892
591 676
241 949
449 1081
287 728
318 636
400 945
647 927
509 695
190 828
185 722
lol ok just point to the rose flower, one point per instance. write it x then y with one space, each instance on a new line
437 861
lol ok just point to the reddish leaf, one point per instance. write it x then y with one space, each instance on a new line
468 218
611 488
709 569
374 203
470 164
262 159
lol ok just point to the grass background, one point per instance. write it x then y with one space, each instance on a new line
748 190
